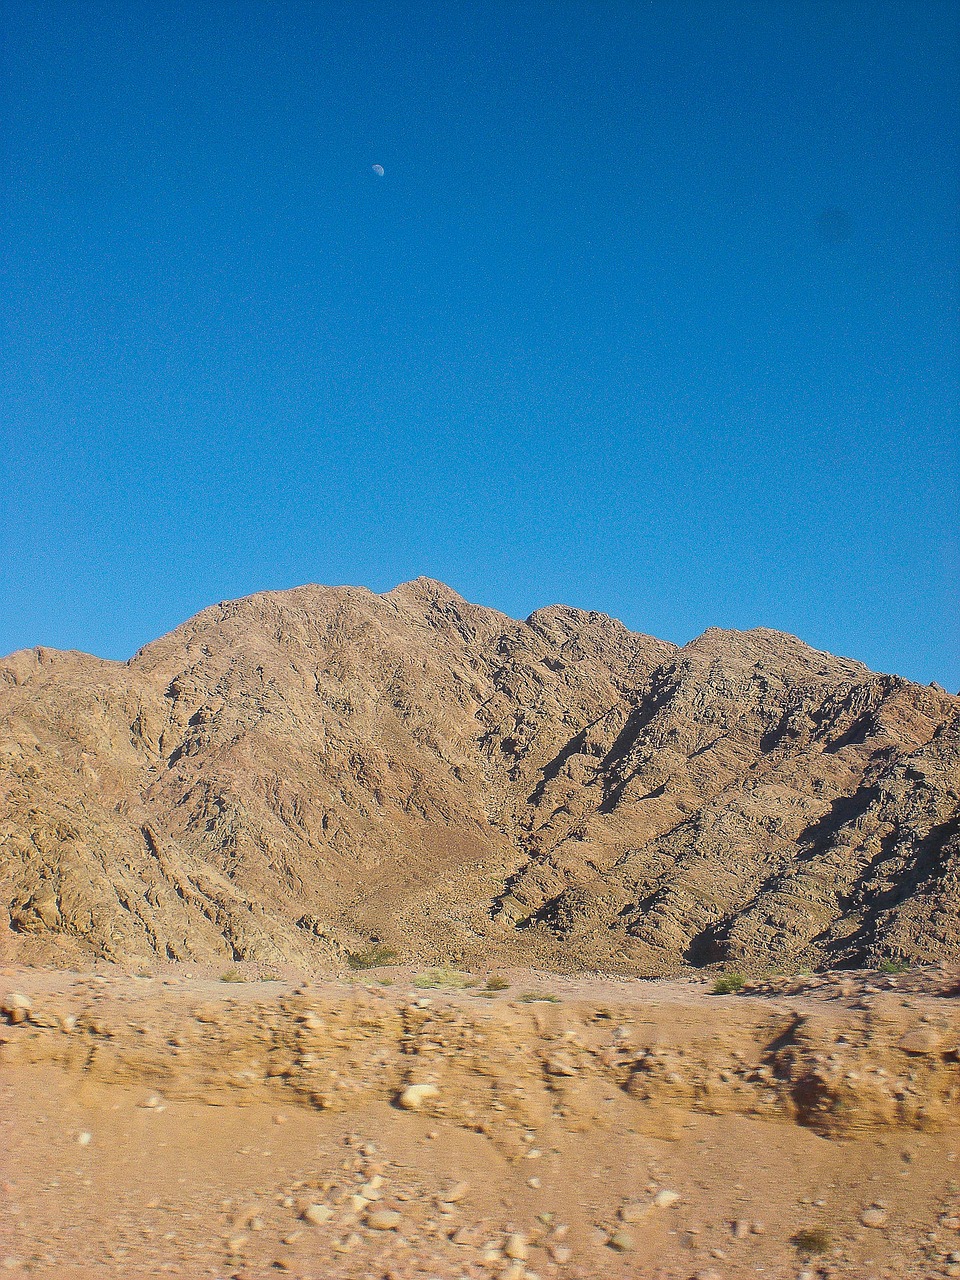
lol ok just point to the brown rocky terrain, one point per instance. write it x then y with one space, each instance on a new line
300 775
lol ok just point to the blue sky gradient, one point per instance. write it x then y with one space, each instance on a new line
653 311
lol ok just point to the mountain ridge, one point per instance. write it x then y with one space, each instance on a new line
286 776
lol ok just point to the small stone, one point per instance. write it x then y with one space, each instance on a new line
740 1229
757 1228
560 1253
535 1183
85 1138
316 1214
515 1247
236 1244
415 1095
666 1199
384 1219
348 1243
920 1041
622 1242
459 1191
632 1212
874 1217
16 1006
153 1101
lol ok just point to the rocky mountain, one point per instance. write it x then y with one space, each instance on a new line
299 774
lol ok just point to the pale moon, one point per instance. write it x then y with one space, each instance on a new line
378 170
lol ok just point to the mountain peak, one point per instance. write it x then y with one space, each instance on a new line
283 776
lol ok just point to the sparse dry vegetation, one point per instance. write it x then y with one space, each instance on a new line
373 957
441 976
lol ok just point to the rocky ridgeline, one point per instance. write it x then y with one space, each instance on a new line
292 777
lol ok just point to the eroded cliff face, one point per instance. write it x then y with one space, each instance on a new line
285 777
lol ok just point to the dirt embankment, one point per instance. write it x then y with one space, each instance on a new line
558 1128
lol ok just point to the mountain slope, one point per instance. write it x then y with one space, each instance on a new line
287 776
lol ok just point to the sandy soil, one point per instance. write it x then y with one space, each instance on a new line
186 1126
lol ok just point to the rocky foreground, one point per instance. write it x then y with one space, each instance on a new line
301 775
409 1125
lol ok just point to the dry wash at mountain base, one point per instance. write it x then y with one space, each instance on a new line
290 777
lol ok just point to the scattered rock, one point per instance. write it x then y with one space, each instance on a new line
874 1217
633 1212
383 1219
16 1006
415 1095
316 1214
666 1199
622 1242
515 1247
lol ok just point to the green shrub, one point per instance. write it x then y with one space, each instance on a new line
232 975
372 958
728 983
812 1240
530 997
893 966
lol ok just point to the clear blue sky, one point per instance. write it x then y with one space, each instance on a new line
653 311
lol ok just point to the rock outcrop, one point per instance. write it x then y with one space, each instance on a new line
297 775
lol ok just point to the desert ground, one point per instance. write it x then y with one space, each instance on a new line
397 1124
